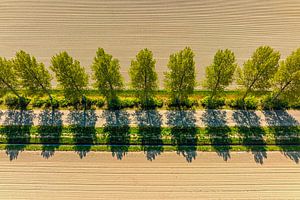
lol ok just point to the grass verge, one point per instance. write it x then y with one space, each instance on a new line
137 148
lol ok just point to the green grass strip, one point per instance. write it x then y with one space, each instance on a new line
138 148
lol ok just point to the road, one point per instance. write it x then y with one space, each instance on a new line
99 175
200 118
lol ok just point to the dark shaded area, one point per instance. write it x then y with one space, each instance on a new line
83 129
248 125
183 131
280 118
149 129
286 131
49 130
218 131
17 125
117 130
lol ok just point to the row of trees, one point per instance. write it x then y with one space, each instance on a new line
262 71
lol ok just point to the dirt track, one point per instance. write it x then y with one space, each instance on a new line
101 176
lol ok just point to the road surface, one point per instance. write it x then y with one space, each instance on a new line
200 118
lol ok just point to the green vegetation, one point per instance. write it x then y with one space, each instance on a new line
34 77
136 135
108 77
181 79
71 77
287 79
127 99
150 139
220 74
136 148
8 77
258 70
267 84
143 76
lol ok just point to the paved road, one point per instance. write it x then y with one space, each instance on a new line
200 118
169 176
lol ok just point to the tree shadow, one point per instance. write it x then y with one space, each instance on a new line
49 130
248 125
149 129
218 131
280 118
183 131
82 125
17 125
118 131
286 131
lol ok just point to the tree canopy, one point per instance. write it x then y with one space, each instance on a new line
8 77
34 77
220 73
70 75
259 69
107 74
287 79
180 80
143 75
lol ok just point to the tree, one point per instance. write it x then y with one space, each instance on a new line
180 79
286 82
107 74
70 75
8 77
220 74
258 70
34 77
143 75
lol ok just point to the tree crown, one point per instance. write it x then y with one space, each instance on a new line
180 79
70 75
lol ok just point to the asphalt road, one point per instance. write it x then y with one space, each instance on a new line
99 175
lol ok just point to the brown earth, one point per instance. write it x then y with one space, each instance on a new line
123 27
99 175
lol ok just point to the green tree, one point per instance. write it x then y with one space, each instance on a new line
107 75
286 82
143 75
70 75
34 77
180 80
8 78
220 73
258 70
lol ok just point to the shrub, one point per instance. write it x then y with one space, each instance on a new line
90 103
11 101
123 103
248 103
1 101
152 104
295 105
114 104
14 102
212 103
69 102
74 102
159 103
23 102
63 103
100 103
268 103
54 104
185 104
129 103
38 102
